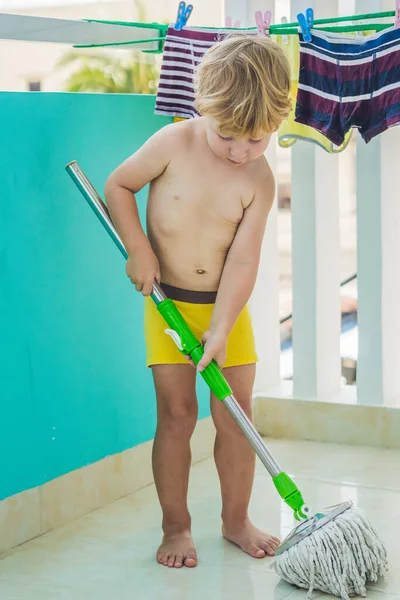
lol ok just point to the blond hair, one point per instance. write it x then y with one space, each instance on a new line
243 82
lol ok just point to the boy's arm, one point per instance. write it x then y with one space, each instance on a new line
130 177
240 270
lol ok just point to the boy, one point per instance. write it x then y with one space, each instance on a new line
211 190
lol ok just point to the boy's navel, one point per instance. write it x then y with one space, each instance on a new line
200 271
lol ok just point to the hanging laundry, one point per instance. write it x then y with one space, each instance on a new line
349 81
290 131
183 50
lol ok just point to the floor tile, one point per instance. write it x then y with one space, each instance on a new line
370 467
109 553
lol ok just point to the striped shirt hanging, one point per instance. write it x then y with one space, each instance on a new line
183 50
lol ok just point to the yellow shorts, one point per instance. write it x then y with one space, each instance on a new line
196 308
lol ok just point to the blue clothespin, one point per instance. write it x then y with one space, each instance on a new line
306 23
183 15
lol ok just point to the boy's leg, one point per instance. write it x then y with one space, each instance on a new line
235 461
176 419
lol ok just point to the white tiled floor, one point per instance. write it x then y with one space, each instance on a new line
109 554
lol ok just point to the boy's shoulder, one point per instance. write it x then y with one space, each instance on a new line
261 172
262 181
178 132
169 141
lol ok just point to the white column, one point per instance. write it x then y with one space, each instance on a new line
264 304
390 236
315 257
378 254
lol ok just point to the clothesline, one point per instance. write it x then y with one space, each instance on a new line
337 83
280 29
363 17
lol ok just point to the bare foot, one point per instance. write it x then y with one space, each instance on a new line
251 540
177 550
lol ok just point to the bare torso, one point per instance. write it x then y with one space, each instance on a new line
194 210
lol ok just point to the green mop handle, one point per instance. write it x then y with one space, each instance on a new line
188 344
216 381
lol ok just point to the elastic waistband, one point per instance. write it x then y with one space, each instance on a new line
191 297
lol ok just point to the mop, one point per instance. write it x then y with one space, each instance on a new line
336 550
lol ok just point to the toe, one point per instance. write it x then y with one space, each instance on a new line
190 561
171 560
178 561
269 549
256 551
275 542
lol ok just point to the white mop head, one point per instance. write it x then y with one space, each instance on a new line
340 558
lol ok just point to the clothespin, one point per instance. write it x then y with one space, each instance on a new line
397 14
184 12
306 23
263 23
285 38
228 23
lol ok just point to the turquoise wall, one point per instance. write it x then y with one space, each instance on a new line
73 383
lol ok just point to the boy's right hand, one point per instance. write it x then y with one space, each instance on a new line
143 269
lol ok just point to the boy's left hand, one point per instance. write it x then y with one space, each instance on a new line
214 348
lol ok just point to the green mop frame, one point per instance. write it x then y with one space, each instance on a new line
188 344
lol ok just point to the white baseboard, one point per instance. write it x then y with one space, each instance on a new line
331 422
33 512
